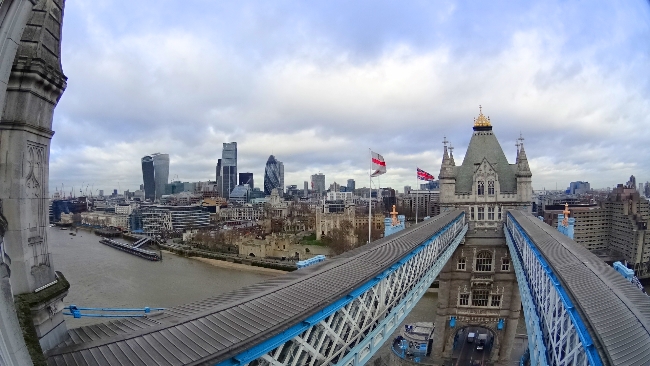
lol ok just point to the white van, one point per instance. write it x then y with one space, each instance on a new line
470 337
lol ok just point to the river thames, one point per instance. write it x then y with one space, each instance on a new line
101 276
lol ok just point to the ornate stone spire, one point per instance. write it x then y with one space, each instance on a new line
451 156
519 144
523 170
446 170
445 154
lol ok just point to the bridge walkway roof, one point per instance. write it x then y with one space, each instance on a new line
616 313
223 326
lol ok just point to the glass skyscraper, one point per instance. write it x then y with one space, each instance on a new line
148 178
281 172
161 172
318 183
271 175
228 168
351 185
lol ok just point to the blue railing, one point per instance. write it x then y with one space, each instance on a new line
76 312
310 261
576 320
288 334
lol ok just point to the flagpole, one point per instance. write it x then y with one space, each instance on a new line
370 199
417 204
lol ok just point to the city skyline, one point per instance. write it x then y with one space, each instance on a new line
308 85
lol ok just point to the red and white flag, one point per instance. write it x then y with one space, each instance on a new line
378 164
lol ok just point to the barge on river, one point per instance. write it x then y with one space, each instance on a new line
142 253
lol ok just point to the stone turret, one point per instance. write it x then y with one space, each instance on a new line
524 181
447 176
36 83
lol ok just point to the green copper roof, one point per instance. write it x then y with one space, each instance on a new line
484 144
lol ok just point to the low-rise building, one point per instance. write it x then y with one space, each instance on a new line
164 220
245 212
98 218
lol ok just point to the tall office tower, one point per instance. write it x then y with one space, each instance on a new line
318 183
246 178
351 185
306 189
271 175
281 172
632 182
161 172
147 178
218 180
228 168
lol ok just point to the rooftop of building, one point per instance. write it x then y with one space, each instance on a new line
484 146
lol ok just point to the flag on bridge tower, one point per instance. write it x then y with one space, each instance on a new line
378 164
422 175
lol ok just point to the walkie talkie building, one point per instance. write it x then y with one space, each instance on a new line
161 172
148 178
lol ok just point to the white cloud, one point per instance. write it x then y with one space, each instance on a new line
319 107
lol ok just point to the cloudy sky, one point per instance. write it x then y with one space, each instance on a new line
319 83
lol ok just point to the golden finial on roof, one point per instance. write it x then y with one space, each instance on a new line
394 214
481 120
566 213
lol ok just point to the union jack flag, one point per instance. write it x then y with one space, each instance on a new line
422 175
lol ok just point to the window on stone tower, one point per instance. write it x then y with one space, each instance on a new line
491 213
505 264
490 187
463 299
481 188
481 213
495 301
471 213
499 213
461 264
484 261
480 297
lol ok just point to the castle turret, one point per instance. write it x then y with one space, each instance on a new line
447 176
524 185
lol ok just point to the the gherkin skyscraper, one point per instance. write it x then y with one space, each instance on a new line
272 175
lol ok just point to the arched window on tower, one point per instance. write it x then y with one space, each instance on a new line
490 187
471 213
481 188
484 261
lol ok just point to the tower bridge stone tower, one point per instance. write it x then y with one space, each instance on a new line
33 82
478 286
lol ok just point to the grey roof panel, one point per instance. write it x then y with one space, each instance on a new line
484 144
616 313
217 328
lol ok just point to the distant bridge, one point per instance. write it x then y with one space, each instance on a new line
578 310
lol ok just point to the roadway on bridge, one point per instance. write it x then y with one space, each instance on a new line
466 352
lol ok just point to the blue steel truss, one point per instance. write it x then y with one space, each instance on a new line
556 333
350 330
